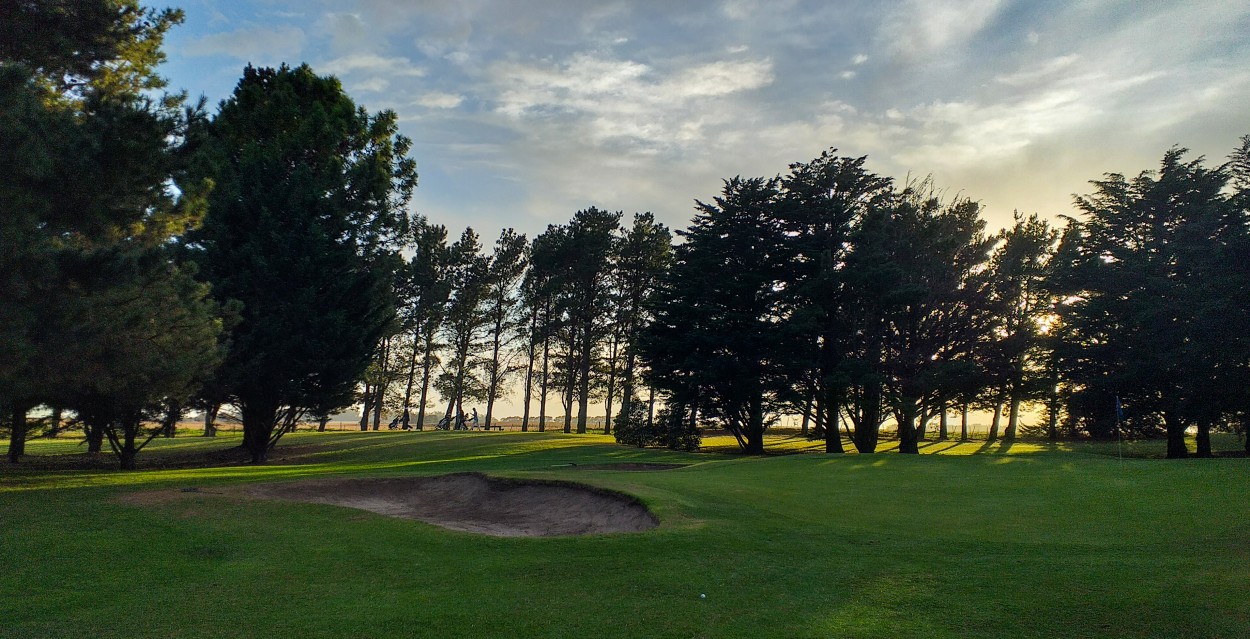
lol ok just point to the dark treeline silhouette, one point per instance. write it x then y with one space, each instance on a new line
835 294
558 315
155 258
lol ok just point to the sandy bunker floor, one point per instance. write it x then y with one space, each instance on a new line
475 503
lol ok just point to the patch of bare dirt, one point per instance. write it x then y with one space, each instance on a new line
473 502
162 497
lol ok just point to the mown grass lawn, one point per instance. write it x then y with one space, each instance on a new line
973 541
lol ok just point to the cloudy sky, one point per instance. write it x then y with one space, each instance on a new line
524 112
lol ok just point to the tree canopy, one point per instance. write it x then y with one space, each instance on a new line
302 229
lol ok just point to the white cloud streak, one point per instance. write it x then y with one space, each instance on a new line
623 100
924 27
261 45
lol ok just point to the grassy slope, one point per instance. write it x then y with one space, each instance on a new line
1033 543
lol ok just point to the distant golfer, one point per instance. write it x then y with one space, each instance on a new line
475 425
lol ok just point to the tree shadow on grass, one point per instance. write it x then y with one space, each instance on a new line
928 447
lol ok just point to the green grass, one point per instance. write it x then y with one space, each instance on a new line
974 541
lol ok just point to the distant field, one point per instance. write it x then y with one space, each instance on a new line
977 540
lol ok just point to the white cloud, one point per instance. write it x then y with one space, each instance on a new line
369 85
347 31
920 27
372 64
739 9
1046 71
439 100
623 101
718 78
859 59
847 75
260 45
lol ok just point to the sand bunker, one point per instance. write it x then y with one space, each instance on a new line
475 503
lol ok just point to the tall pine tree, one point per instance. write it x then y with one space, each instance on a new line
302 230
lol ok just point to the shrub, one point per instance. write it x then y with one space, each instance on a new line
670 429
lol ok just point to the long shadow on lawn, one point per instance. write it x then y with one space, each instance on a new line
431 456
929 445
1004 446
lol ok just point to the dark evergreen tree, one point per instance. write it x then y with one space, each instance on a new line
424 304
591 235
716 346
88 149
644 255
822 201
1143 296
152 346
507 266
542 289
464 325
1019 300
915 268
1235 284
302 229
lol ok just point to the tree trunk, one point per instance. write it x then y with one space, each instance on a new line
456 401
366 405
259 420
943 426
380 397
807 415
1013 418
412 374
56 423
922 422
1176 436
755 426
569 385
17 434
611 389
384 383
1204 440
607 416
627 375
529 371
1245 431
908 440
323 420
126 452
583 369
833 435
173 413
1052 419
210 419
95 434
868 431
694 416
998 414
963 422
492 385
427 352
542 395
651 410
